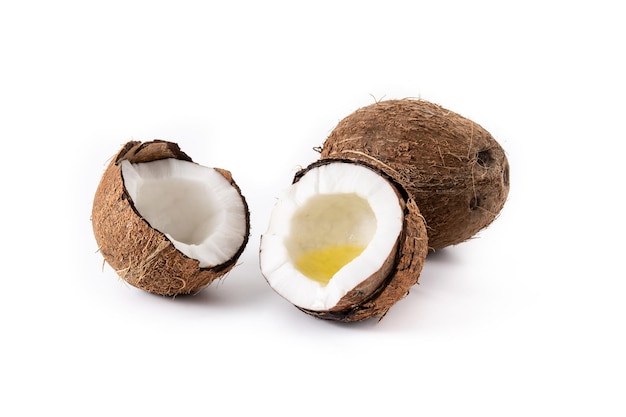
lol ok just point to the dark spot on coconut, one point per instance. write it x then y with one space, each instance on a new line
484 158
475 203
505 175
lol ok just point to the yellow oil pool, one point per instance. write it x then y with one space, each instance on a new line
321 264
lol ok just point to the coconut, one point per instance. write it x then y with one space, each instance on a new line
165 224
344 242
456 172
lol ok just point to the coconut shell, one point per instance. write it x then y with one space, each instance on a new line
141 255
456 172
395 278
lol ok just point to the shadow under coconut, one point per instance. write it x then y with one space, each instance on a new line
442 256
411 312
365 325
242 286
407 314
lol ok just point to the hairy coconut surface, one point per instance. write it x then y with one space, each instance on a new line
456 172
141 255
378 293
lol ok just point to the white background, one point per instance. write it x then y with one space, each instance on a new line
526 319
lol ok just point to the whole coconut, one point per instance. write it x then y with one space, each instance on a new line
452 167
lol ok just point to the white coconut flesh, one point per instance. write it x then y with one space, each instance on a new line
329 232
196 207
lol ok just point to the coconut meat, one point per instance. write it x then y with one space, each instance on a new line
196 207
329 232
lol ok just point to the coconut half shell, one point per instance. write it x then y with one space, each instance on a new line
141 255
400 272
456 172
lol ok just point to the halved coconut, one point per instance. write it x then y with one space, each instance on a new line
344 242
166 224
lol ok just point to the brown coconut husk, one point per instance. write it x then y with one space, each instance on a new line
456 172
141 255
377 294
